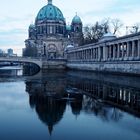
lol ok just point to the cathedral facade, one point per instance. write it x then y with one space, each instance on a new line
50 35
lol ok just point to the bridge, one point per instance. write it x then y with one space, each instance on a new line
41 62
22 60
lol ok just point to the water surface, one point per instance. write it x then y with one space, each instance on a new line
69 106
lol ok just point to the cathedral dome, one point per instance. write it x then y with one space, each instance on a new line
76 19
50 12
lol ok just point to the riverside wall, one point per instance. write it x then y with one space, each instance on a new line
123 67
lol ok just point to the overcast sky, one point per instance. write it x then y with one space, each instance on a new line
17 15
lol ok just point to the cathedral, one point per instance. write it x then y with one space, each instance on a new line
50 35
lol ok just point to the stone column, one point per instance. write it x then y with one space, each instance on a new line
79 54
94 53
83 54
109 52
88 54
118 51
122 50
91 54
133 49
128 49
114 51
99 53
105 53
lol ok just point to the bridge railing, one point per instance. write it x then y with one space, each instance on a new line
33 58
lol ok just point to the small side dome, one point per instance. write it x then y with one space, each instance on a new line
69 47
108 36
32 26
77 20
68 28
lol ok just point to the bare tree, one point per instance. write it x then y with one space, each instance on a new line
92 33
105 23
116 25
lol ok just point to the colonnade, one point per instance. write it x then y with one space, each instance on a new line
107 51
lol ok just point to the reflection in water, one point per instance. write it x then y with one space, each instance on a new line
50 95
72 105
25 70
126 98
10 71
49 110
30 69
45 97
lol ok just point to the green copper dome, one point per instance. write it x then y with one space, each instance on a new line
76 19
32 26
68 28
50 12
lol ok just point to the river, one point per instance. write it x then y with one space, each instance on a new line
68 105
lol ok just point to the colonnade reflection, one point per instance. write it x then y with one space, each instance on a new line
50 95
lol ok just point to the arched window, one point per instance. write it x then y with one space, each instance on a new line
77 29
44 50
